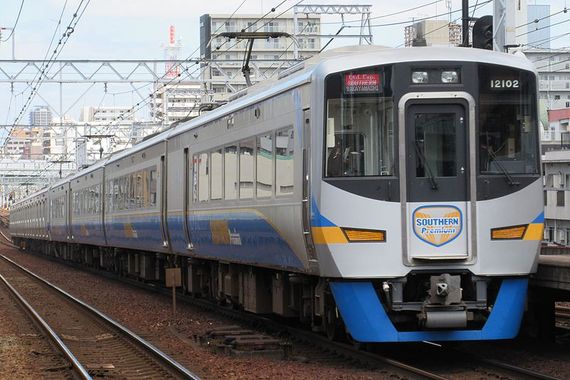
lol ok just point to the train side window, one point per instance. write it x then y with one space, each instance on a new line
230 172
217 175
203 177
246 169
195 168
153 182
284 162
264 181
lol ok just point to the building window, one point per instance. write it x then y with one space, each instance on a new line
560 199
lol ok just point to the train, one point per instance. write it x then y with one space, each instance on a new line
386 195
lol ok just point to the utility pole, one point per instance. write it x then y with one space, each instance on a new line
465 23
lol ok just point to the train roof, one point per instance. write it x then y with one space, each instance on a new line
334 60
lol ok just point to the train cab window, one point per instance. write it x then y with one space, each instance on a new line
435 144
246 169
230 172
284 161
203 177
264 178
217 175
508 137
359 131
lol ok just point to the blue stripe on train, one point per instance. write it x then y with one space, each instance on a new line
252 239
136 233
367 321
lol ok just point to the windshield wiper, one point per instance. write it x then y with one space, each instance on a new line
506 174
428 169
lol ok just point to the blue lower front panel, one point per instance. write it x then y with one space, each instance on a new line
367 321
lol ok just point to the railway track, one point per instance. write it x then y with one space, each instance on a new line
94 345
317 345
453 363
438 364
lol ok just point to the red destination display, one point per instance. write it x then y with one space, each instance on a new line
361 83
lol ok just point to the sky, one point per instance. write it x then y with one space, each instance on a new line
138 29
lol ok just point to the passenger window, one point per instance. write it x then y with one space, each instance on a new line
284 162
246 169
230 172
195 161
265 158
203 178
217 175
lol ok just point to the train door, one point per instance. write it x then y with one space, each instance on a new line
163 200
437 181
309 244
68 206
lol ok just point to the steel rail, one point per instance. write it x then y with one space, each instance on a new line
148 347
81 371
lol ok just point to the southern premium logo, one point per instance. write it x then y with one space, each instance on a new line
437 225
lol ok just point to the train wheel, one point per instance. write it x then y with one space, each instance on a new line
331 322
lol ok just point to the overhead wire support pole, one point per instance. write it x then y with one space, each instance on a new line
465 23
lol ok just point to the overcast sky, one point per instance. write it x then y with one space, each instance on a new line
137 29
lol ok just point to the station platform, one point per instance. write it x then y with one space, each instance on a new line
553 273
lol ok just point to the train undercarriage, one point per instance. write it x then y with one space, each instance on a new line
417 302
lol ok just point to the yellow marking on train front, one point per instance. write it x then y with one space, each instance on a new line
534 231
328 235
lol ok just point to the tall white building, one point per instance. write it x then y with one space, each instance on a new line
538 27
176 102
267 54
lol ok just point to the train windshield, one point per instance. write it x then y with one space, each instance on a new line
508 136
359 137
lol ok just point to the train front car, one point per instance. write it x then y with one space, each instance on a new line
428 215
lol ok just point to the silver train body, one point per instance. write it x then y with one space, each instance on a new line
392 192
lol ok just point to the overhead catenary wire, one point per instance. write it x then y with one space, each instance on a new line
395 23
48 50
544 27
15 23
132 109
537 20
142 104
383 16
77 15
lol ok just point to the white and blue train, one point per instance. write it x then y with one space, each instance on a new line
391 193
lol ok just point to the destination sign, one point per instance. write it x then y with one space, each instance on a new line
362 83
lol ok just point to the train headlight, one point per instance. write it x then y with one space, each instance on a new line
509 233
420 77
354 235
449 77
